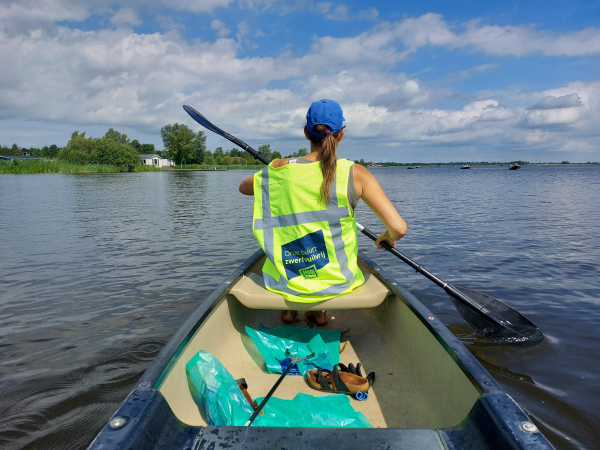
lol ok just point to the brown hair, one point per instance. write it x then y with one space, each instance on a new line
328 147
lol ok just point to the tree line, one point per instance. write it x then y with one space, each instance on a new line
185 146
181 144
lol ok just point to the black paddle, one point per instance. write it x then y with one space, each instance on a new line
293 361
488 316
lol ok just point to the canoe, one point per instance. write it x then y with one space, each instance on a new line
430 392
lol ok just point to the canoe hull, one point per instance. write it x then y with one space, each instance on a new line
494 422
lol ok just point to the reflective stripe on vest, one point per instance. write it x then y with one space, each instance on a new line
332 215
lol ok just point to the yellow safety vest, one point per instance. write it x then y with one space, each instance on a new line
311 247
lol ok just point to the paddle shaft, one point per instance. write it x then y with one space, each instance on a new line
445 286
268 396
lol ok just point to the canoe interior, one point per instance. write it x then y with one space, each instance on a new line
418 384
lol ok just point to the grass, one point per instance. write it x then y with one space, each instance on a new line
212 166
53 166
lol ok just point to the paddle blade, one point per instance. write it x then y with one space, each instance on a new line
515 327
202 120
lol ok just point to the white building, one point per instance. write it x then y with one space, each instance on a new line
156 160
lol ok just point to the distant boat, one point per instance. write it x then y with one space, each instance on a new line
514 167
410 167
465 166
416 167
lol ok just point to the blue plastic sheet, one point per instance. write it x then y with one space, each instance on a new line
221 402
273 343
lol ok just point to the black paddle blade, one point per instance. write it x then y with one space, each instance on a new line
202 120
515 327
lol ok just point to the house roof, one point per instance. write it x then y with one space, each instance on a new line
10 157
153 155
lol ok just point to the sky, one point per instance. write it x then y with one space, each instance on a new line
428 81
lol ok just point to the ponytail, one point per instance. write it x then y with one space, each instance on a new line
328 149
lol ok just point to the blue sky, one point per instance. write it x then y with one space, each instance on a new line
418 81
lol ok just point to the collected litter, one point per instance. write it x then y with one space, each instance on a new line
221 402
273 344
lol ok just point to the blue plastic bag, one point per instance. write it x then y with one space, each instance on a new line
221 402
273 343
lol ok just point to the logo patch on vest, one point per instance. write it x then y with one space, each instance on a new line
304 256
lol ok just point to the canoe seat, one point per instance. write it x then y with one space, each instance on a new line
251 293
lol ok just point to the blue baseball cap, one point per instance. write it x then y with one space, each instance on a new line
325 112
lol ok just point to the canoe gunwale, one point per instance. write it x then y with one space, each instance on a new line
495 414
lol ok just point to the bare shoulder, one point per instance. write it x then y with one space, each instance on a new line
280 162
362 178
361 173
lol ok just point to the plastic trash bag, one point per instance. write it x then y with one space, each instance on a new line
215 392
221 402
273 343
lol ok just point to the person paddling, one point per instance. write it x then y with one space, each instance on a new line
304 216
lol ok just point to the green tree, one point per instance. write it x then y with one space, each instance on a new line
208 157
218 155
77 150
301 152
234 152
15 150
265 150
275 155
109 151
178 140
199 148
50 152
143 149
121 138
147 149
226 160
82 150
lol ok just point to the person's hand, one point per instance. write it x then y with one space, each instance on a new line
386 237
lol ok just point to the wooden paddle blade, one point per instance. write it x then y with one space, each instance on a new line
515 327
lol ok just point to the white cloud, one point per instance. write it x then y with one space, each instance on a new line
368 14
125 16
551 102
117 77
484 67
430 29
326 9
222 30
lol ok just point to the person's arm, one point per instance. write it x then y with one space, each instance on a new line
368 189
247 186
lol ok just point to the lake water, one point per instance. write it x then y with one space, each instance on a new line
98 271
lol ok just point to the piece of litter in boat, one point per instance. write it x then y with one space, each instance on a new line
344 347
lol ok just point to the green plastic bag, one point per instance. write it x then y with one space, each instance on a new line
273 343
221 402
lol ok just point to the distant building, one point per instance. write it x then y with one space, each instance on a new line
156 160
11 157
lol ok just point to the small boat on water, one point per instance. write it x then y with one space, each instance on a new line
430 392
465 166
514 167
410 167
